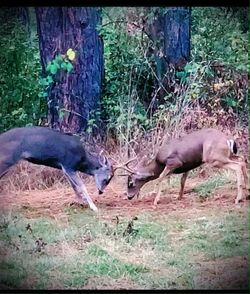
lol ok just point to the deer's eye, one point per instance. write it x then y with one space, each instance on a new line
130 184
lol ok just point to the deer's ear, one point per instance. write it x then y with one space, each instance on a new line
102 158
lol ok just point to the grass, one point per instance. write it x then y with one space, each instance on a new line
208 187
87 251
203 190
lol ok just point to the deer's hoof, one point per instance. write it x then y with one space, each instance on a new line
94 208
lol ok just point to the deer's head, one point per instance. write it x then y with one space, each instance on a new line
104 173
138 176
135 182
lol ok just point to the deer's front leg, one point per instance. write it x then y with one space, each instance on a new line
79 187
167 170
183 181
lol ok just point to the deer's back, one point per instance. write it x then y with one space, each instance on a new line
188 149
41 144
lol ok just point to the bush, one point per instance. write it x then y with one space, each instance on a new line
128 79
20 71
217 37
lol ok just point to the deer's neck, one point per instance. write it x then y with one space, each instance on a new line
155 168
90 164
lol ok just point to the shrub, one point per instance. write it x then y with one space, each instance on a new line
20 70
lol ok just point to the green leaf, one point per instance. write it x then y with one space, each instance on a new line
53 69
50 79
48 66
69 67
59 58
180 74
63 65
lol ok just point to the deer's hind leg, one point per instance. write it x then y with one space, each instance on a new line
183 181
237 167
5 164
245 175
243 165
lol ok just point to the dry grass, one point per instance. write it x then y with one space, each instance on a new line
25 176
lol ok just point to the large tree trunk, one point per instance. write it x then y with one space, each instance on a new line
77 94
170 32
177 36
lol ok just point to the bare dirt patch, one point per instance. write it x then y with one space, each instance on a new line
53 201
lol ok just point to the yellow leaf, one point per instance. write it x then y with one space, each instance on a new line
71 54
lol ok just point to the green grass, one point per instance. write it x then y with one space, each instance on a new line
162 251
208 187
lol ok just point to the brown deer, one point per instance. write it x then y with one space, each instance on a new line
179 156
44 146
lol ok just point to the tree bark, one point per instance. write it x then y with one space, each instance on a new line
170 32
77 94
177 36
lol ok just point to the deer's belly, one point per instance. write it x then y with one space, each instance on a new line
51 162
187 167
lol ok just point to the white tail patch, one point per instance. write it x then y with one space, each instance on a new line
230 144
26 155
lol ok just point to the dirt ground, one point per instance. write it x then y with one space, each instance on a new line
53 200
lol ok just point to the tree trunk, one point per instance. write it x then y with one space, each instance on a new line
177 36
170 32
23 15
76 94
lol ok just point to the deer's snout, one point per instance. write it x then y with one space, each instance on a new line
131 196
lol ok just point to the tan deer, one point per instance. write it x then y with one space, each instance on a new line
179 156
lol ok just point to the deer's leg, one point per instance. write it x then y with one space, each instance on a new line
237 167
79 187
5 165
241 161
165 172
245 175
183 181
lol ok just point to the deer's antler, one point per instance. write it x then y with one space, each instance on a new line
125 166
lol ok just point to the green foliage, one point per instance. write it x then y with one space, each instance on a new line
20 69
167 251
217 36
55 66
128 77
216 74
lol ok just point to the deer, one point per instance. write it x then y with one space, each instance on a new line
63 151
180 155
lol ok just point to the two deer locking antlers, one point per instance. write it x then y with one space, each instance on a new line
48 147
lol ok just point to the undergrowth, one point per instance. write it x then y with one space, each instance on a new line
165 252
